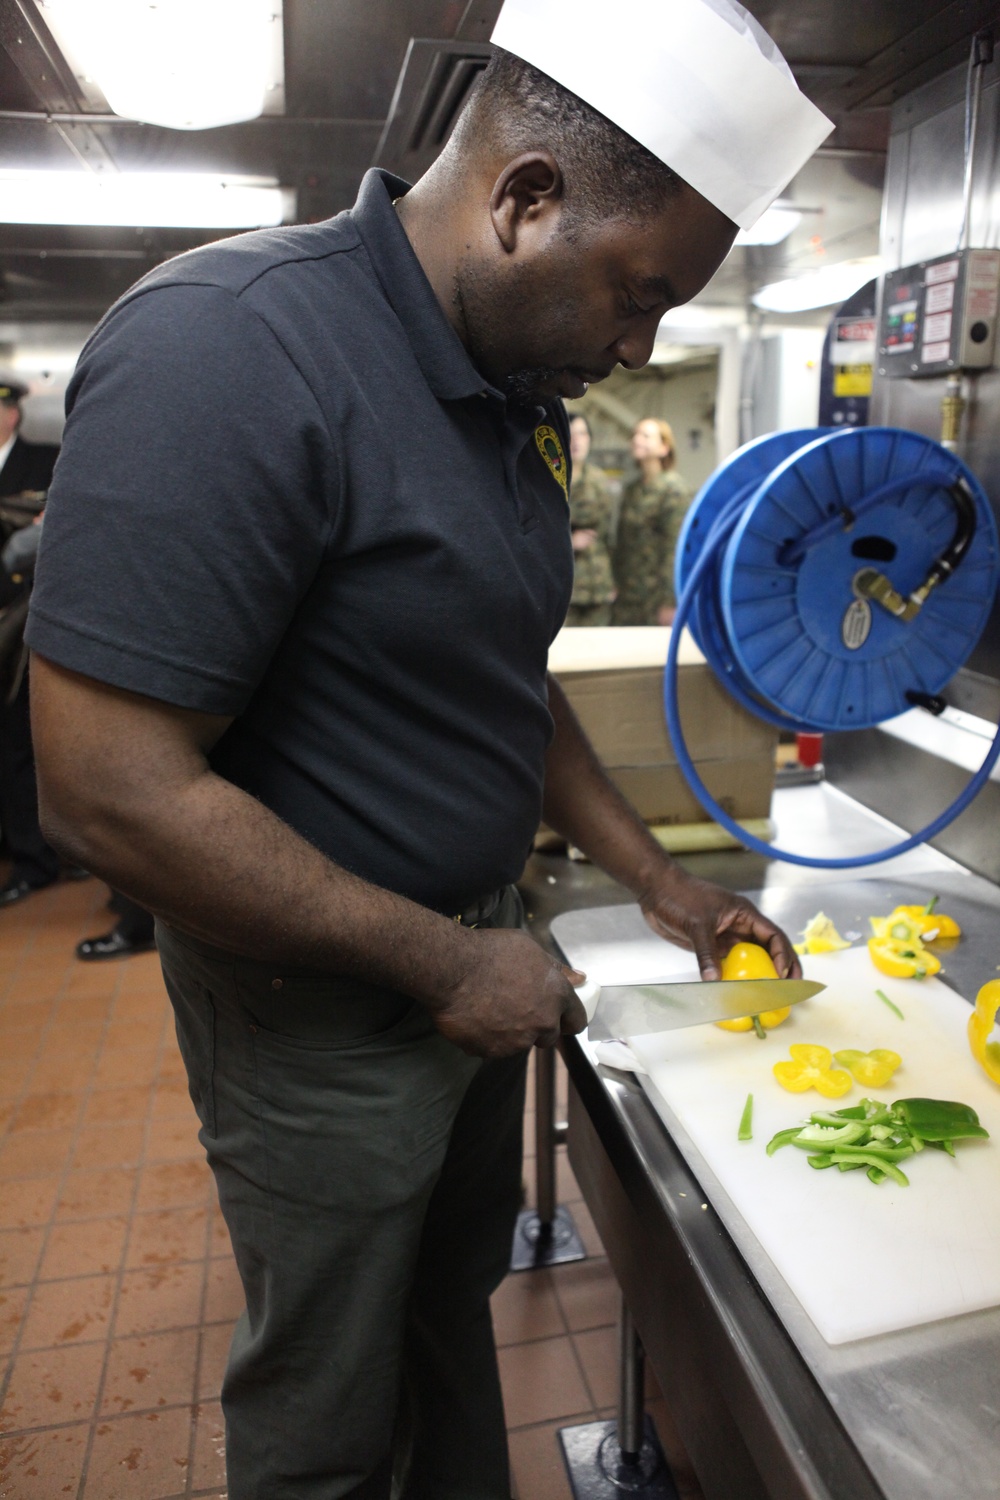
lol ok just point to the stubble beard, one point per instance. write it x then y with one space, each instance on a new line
489 311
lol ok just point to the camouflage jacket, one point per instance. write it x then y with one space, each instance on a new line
648 526
591 509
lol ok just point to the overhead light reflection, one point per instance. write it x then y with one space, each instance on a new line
773 226
153 200
824 287
186 64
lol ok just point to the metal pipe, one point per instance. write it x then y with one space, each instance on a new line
631 1387
545 1146
980 55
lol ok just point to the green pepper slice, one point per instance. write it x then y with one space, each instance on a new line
938 1120
887 1167
829 1136
876 1150
783 1138
837 1116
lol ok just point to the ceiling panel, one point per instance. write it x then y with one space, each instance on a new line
342 62
846 32
343 58
14 92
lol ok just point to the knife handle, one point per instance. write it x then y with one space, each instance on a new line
589 993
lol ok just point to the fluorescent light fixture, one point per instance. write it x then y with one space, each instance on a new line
773 226
697 316
186 64
821 288
682 354
151 200
41 362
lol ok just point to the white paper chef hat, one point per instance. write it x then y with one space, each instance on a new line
699 83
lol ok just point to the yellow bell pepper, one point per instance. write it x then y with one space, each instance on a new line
902 958
899 927
871 1069
931 925
981 1023
820 936
812 1067
750 961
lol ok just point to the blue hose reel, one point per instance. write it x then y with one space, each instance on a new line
835 579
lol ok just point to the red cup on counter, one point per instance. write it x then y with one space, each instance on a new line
810 749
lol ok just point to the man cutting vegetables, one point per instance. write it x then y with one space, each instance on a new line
291 695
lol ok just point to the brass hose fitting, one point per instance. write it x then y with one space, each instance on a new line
952 409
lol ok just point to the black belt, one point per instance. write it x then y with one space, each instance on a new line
482 910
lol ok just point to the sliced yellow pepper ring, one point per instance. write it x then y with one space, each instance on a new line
820 936
811 1067
870 1069
899 928
751 961
767 1019
901 959
930 925
981 1023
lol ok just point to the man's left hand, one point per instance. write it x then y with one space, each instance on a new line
696 914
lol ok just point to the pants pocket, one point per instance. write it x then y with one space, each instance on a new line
194 1010
317 1012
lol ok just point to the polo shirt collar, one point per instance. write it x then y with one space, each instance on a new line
440 352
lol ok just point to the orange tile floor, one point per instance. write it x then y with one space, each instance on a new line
118 1290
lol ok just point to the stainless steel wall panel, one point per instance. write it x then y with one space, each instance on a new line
921 217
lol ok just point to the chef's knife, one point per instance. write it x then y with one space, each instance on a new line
624 1010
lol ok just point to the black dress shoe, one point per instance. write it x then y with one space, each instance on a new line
16 890
111 945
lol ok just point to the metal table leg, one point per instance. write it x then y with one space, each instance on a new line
631 1388
615 1458
545 1134
546 1236
608 1459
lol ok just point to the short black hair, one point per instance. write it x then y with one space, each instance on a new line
607 174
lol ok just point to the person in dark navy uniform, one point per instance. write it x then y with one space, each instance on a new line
306 550
24 467
25 474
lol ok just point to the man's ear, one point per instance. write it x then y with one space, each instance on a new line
528 191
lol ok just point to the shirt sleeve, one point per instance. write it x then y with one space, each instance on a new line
192 504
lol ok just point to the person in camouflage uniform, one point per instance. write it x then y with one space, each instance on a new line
653 508
591 517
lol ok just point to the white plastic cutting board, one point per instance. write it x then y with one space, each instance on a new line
861 1259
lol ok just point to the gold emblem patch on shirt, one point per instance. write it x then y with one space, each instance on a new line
551 449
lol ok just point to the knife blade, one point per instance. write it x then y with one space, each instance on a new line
624 1010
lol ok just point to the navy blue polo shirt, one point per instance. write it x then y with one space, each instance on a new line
286 494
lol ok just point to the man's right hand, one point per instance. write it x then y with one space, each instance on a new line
513 996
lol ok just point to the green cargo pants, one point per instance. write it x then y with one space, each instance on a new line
370 1175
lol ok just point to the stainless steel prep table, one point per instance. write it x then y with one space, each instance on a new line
764 1405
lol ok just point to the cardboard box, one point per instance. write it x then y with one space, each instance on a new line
613 677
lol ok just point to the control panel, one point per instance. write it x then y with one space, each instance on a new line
940 315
